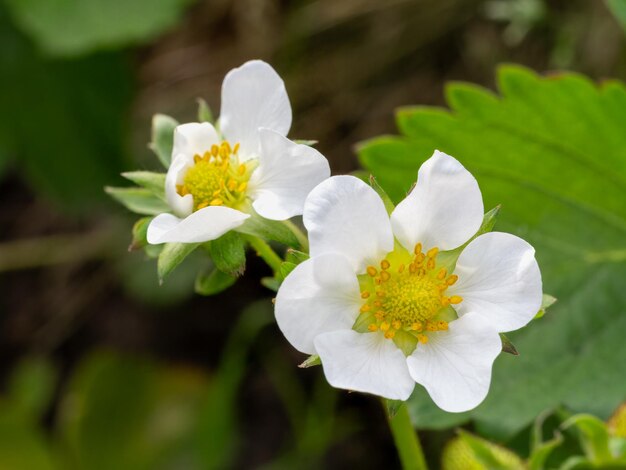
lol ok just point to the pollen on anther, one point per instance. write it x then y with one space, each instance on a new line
452 279
442 325
236 148
216 202
379 315
384 264
242 187
242 169
372 327
401 268
431 326
214 150
430 265
422 339
397 324
384 326
378 303
380 293
365 294
416 326
418 249
390 334
432 252
365 308
385 276
442 273
455 299
372 271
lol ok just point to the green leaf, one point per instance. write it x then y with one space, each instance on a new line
552 151
228 252
140 234
163 137
594 437
213 282
75 142
138 200
540 450
268 230
68 28
490 455
618 8
31 386
172 255
154 182
204 112
285 268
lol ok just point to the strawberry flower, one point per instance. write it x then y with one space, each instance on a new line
382 305
217 178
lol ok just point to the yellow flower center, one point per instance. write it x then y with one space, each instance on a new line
217 178
406 297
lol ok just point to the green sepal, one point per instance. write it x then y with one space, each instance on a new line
392 407
540 450
311 361
228 252
310 143
270 283
389 206
267 229
204 112
405 341
594 437
140 232
138 200
163 137
172 255
295 256
508 346
213 282
447 259
154 182
546 301
285 268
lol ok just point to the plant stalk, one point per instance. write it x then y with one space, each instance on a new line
406 439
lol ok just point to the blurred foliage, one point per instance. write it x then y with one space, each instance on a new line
553 152
65 28
618 8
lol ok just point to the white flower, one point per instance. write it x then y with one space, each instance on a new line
376 304
217 177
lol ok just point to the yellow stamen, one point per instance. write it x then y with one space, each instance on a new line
372 271
372 327
417 326
216 202
455 299
242 187
384 264
365 294
384 276
432 252
397 324
384 326
390 334
418 249
422 339
242 169
442 325
452 279
236 148
442 273
401 268
365 308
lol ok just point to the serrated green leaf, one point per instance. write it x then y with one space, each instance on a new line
268 230
213 282
204 112
228 252
153 182
552 151
70 28
138 200
163 137
172 255
594 437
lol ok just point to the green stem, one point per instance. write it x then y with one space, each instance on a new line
301 237
265 251
406 439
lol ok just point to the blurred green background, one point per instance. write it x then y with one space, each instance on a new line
102 368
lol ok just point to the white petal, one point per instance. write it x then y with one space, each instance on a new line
181 205
320 295
344 215
286 174
194 138
253 96
364 362
499 279
455 365
201 226
444 209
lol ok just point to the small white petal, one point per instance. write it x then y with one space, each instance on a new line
344 215
320 295
201 226
181 205
253 96
364 362
499 279
455 365
286 174
444 209
194 138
